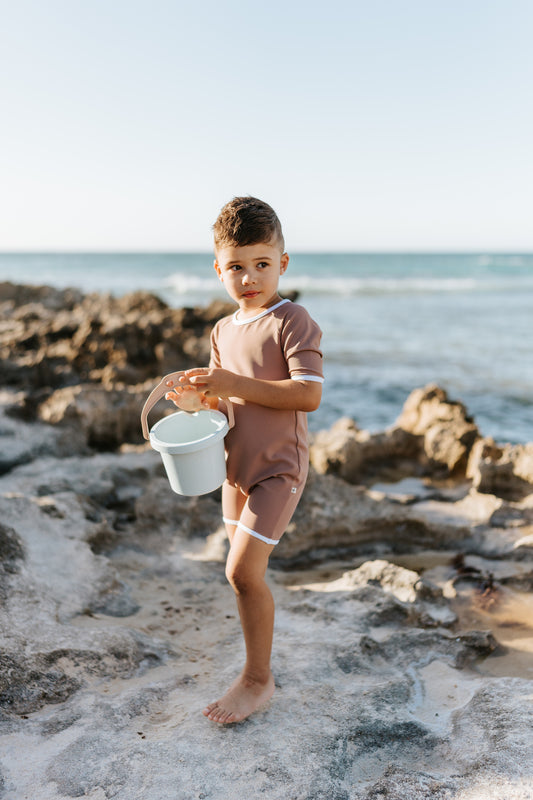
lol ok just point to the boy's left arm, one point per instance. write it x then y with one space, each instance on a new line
289 394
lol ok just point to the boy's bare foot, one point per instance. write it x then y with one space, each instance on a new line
242 699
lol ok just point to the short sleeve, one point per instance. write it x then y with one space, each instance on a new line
300 340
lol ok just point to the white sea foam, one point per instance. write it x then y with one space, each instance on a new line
185 283
357 286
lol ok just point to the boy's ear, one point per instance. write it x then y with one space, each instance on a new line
284 263
218 270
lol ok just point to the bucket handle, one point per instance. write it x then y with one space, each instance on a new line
161 389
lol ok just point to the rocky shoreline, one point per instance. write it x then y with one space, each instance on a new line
403 648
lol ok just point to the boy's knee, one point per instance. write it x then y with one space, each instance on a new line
240 577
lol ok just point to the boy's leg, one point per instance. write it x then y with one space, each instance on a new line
246 567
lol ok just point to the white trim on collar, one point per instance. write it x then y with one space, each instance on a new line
258 316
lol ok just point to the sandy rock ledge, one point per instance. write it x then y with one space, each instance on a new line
118 626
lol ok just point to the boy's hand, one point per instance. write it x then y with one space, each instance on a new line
187 398
293 395
212 382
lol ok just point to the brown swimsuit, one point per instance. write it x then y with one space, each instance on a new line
267 451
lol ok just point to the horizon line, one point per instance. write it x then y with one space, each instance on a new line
341 252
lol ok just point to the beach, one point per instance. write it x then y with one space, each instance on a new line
403 648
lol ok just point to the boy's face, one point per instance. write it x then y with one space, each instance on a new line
251 274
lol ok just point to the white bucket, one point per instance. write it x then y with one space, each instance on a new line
192 449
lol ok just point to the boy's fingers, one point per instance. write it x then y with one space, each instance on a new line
173 381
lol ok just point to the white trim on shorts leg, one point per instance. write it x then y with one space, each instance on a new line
249 530
257 535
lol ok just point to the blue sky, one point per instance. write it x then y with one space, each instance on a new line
384 125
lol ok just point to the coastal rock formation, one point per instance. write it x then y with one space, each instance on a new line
357 455
433 437
505 470
103 417
88 361
402 654
53 338
448 431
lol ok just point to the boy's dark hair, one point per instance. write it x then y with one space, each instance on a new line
247 220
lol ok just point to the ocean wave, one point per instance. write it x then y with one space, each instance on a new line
184 284
503 260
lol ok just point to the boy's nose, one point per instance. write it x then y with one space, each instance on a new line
247 279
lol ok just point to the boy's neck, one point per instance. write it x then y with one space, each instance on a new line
250 313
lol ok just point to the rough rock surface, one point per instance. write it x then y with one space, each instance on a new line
448 431
403 650
433 437
71 355
505 470
118 625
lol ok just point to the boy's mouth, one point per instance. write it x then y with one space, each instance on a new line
250 294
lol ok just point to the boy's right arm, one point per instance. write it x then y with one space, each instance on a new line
296 395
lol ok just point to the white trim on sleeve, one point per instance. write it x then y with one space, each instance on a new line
315 378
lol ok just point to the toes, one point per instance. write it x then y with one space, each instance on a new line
217 713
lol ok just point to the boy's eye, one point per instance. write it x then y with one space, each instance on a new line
263 264
235 268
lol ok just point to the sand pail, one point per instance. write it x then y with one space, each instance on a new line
191 444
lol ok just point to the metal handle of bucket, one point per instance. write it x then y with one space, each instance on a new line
161 389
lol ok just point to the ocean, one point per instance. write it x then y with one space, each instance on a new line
391 323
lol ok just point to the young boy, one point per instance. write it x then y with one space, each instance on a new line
266 359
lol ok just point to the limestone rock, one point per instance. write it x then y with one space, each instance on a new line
357 456
52 339
336 516
504 470
107 417
432 436
371 671
448 431
398 581
21 443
